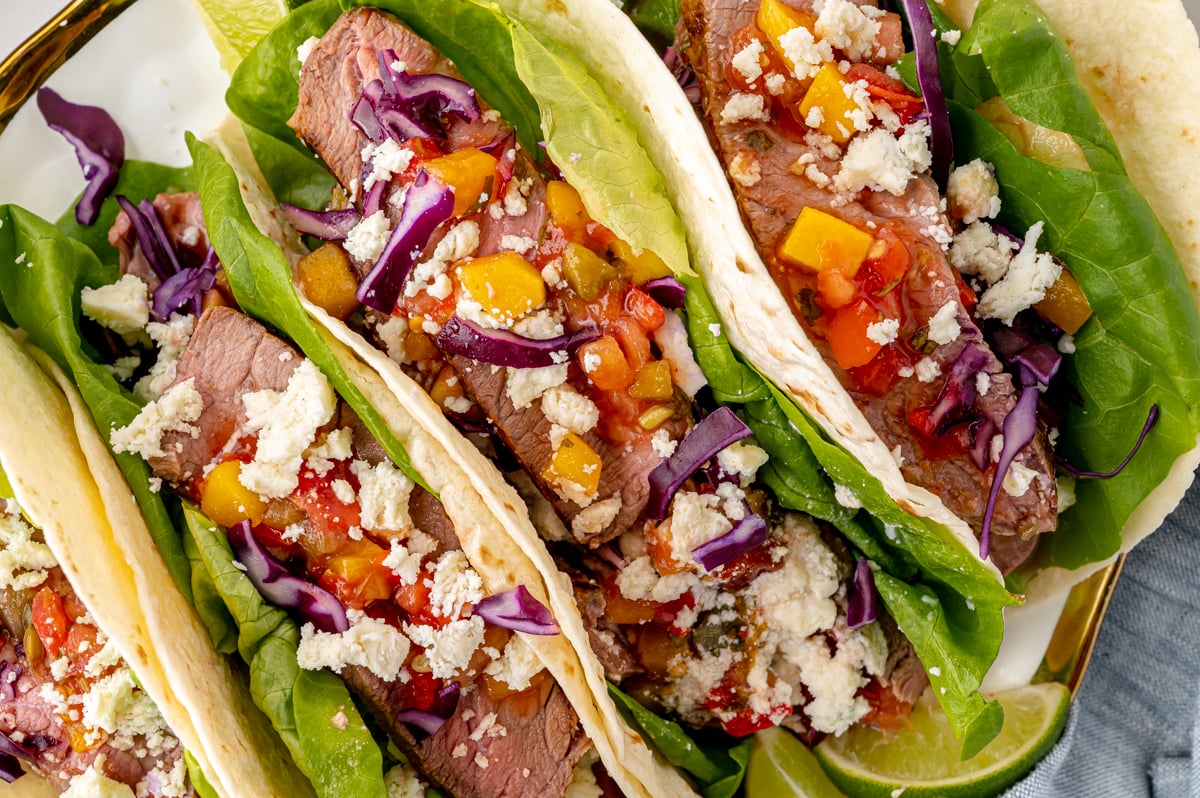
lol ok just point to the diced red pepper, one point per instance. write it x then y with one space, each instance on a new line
420 692
847 335
883 87
50 620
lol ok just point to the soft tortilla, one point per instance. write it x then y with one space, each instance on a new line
73 490
491 521
1141 65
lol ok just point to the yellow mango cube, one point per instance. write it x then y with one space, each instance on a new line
505 284
468 172
328 280
775 19
820 241
224 498
566 209
576 462
639 265
828 93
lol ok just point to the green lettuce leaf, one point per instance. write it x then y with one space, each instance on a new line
301 705
261 280
718 770
42 272
199 781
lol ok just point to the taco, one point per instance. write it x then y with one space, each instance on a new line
914 332
537 300
101 696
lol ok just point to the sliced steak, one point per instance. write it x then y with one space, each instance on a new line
183 222
770 204
526 744
229 355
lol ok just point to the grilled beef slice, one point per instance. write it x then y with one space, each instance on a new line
774 201
229 355
331 82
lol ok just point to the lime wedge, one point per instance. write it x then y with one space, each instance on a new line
781 765
236 25
922 759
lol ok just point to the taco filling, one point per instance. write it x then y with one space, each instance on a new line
240 423
485 278
70 707
924 313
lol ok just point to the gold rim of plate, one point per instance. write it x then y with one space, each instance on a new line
24 70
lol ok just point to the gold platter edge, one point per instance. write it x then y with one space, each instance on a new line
24 70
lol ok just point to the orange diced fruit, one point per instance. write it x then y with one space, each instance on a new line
639 265
604 363
828 92
585 271
1065 304
327 280
653 381
775 19
505 284
847 335
576 462
566 209
821 241
224 498
468 172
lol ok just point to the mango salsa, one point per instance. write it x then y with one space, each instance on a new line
576 462
820 241
505 284
468 172
327 280
224 499
775 19
828 93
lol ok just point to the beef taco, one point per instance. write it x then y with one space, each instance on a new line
100 695
996 357
537 285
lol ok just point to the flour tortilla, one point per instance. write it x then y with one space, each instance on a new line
1141 64
491 521
69 486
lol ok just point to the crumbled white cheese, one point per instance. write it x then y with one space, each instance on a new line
583 779
743 106
170 338
454 584
517 666
595 518
978 250
880 161
943 326
366 240
662 443
343 491
518 244
745 169
983 383
305 49
639 580
287 425
884 331
927 369
846 497
972 192
747 61
386 159
369 643
952 37
805 52
406 555
565 406
334 445
383 492
863 112
743 460
449 648
461 241
1066 344
402 782
695 520
23 560
1029 276
540 325
123 367
1018 479
115 704
91 783
123 306
175 411
516 196
847 27
775 83
524 386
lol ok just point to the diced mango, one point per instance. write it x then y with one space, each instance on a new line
224 498
828 93
566 209
468 172
586 272
639 265
775 19
327 279
576 462
821 241
1065 304
653 381
505 284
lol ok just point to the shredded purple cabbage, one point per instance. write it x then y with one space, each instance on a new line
283 589
446 700
1151 420
930 80
400 105
505 348
716 431
11 755
862 603
186 287
427 204
325 225
1037 361
685 76
99 147
152 237
957 399
427 722
1020 425
518 610
666 291
746 534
